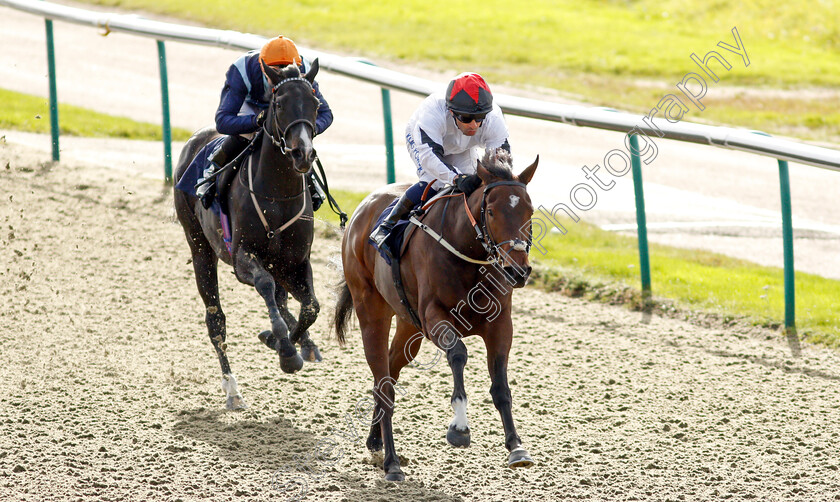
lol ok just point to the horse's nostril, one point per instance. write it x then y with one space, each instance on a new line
517 276
517 272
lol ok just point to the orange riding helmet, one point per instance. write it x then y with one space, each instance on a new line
280 51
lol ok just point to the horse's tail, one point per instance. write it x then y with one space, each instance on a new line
343 311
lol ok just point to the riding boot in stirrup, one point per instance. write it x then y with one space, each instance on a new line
207 190
400 210
227 150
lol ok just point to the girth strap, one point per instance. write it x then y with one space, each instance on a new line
397 276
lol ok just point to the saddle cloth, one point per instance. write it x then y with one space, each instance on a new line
196 169
193 173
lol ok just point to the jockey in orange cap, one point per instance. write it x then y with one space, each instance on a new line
243 104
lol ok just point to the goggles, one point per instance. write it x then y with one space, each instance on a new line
466 118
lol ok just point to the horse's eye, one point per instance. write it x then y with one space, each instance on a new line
489 212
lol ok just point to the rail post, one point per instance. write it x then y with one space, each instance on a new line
787 237
53 90
167 129
641 219
390 174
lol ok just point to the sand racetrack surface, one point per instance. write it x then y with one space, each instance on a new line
109 388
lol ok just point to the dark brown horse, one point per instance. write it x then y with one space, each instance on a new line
271 226
460 290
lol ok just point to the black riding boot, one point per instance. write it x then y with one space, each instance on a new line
226 151
399 211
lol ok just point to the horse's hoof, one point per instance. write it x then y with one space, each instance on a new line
310 353
396 476
267 337
235 403
458 438
519 458
291 364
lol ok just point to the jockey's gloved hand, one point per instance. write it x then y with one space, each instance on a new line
260 118
467 183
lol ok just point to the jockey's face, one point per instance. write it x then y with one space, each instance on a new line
468 124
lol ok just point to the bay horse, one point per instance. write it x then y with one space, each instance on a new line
271 226
458 289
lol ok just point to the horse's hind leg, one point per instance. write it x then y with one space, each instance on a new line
404 348
374 321
250 270
205 266
303 290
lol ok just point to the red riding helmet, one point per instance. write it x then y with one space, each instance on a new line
468 93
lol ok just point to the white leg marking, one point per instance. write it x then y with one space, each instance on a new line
229 385
234 398
459 406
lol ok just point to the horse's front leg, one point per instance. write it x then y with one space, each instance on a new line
303 290
205 264
459 429
282 299
447 338
250 270
498 343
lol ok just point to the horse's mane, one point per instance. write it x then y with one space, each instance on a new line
499 163
290 71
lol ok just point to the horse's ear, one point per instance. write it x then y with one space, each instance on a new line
274 75
526 175
483 173
313 70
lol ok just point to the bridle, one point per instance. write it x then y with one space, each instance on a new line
280 139
482 231
281 144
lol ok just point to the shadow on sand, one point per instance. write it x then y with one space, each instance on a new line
280 450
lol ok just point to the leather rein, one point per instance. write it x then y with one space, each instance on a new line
483 234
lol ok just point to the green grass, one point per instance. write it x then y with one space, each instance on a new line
695 280
605 52
625 54
32 114
347 201
601 265
643 38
